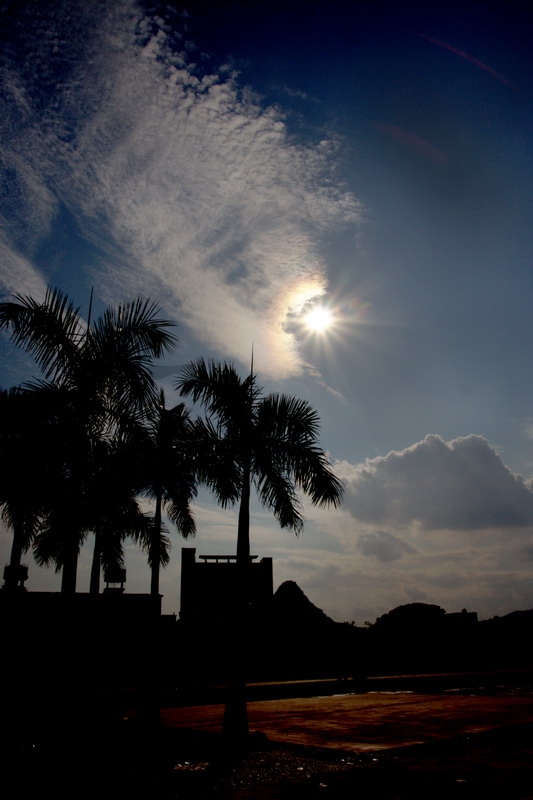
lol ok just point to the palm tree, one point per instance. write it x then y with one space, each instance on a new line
105 502
112 509
163 454
24 447
271 442
101 372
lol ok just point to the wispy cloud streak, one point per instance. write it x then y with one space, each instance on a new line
194 187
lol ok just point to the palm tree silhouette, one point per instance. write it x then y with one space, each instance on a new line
101 374
25 446
270 441
112 509
163 456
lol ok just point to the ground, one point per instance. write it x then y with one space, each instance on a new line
456 743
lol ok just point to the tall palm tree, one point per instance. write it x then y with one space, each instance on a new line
103 370
270 442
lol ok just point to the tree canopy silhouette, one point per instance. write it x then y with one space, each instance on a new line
269 441
100 373
26 452
164 452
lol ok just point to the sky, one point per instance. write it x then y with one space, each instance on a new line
241 163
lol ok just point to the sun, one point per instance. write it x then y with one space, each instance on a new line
319 319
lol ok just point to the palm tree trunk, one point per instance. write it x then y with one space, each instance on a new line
94 586
155 545
70 565
11 580
243 529
235 723
16 547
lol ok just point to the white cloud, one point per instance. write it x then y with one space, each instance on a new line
210 202
296 93
18 274
528 428
439 522
457 485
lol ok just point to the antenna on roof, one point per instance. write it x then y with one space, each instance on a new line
90 309
252 376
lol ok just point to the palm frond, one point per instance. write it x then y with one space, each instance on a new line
156 544
220 389
287 418
50 331
179 513
139 328
314 474
276 493
24 520
112 553
50 544
214 463
125 341
310 469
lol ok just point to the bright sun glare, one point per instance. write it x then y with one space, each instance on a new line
319 319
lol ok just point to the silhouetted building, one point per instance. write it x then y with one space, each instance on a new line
115 578
15 577
211 588
109 608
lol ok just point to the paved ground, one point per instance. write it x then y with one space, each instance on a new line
366 722
374 746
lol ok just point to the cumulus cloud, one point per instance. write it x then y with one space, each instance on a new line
183 172
457 485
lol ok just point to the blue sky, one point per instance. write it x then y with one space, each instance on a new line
239 163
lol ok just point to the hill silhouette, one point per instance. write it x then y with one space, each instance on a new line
298 640
290 606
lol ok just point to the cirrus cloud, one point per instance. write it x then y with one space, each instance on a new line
190 185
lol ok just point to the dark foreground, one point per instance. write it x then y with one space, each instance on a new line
470 745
